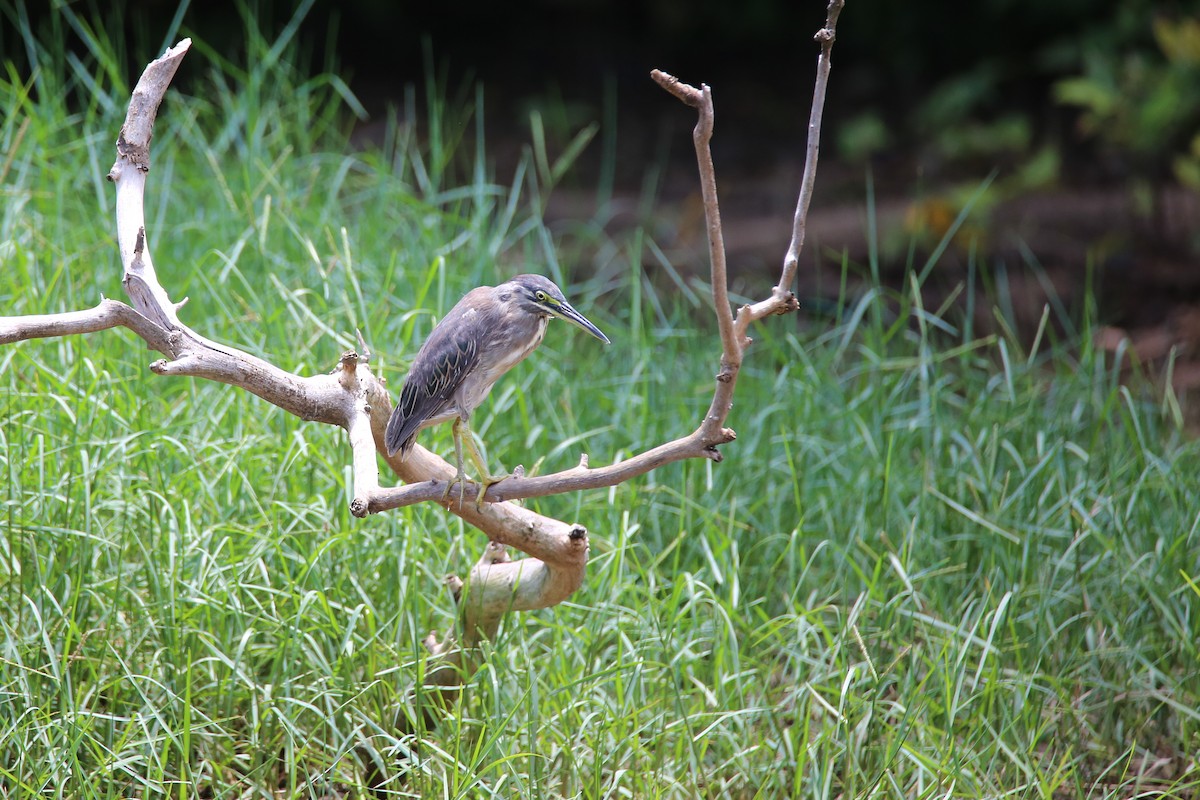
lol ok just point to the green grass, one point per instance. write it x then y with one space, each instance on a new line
930 566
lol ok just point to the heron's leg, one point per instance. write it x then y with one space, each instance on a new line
486 478
460 476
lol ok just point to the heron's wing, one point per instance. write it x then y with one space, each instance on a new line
443 363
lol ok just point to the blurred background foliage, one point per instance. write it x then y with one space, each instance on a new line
1109 86
1082 117
1143 105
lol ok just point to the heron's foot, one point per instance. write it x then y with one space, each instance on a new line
486 482
460 480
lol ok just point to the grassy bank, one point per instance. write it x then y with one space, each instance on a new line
931 565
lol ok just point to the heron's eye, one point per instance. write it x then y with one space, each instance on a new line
541 296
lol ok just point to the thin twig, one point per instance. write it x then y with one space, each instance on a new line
826 37
701 99
712 431
702 138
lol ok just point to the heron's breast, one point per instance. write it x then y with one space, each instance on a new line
510 347
517 347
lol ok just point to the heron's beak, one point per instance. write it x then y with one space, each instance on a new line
565 311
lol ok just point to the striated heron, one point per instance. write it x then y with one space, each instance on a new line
489 331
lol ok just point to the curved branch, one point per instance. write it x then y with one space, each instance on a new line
578 478
734 339
712 432
350 397
129 174
108 314
354 399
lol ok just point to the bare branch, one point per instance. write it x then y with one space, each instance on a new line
354 399
734 339
825 37
129 174
350 397
712 432
688 94
108 314
701 99
576 479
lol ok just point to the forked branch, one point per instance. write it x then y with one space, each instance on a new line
350 397
353 398
712 432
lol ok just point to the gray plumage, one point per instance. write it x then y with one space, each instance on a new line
488 332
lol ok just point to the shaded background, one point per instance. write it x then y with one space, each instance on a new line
1084 114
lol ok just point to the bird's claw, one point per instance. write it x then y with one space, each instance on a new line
485 482
458 480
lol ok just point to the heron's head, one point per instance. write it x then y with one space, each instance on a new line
537 294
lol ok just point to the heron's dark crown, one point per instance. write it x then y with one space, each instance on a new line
537 294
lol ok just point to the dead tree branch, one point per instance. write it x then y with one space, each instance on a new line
825 37
703 442
352 398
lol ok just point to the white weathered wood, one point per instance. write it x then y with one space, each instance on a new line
354 399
